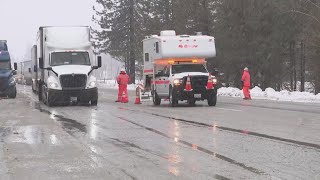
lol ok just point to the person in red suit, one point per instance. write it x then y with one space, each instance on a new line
246 83
123 80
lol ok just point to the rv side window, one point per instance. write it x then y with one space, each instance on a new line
157 47
146 57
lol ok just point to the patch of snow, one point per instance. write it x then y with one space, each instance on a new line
271 94
230 91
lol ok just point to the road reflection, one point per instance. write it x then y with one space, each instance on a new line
93 127
174 158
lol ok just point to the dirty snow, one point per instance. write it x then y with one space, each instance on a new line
271 94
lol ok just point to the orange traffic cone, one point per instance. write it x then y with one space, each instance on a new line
124 98
210 82
138 100
188 84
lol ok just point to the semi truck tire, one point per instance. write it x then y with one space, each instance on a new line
13 93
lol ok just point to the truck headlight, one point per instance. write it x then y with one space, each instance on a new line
93 84
53 85
215 81
177 82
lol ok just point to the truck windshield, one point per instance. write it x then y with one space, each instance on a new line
3 46
70 58
5 65
180 68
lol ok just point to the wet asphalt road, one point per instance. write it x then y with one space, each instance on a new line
237 139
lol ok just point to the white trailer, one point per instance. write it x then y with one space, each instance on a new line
63 66
168 61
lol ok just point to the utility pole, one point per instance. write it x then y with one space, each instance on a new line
291 69
132 56
302 66
293 74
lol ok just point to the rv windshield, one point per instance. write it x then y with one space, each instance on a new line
5 65
70 58
180 68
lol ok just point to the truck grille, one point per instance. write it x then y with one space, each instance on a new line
76 81
3 84
197 82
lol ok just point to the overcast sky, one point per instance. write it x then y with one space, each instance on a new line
20 19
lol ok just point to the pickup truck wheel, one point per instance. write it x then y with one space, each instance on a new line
212 99
173 97
156 99
94 102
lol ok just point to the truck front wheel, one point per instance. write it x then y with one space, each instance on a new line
212 99
156 99
173 97
94 102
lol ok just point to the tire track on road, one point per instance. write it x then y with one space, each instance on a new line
196 147
246 132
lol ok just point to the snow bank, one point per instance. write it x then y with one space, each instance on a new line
271 94
230 91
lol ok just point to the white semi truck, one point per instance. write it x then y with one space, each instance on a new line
172 61
63 62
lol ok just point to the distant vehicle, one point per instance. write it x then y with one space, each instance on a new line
7 80
3 45
24 73
171 61
63 64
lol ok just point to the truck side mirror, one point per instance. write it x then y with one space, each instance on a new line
34 68
15 66
99 62
41 66
29 70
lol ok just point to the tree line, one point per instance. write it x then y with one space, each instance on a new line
277 40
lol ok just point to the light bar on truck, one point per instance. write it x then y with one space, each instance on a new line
179 61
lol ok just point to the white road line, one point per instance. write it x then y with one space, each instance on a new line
226 109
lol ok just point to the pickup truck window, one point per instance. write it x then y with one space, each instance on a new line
180 68
69 58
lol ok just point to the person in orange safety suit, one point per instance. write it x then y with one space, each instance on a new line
246 83
123 79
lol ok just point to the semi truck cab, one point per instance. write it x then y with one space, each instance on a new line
63 62
7 80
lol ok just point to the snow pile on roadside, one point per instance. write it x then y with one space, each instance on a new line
112 84
271 94
230 91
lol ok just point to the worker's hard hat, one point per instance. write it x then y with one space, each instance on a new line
122 70
246 69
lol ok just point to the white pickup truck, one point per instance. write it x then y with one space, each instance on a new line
170 60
